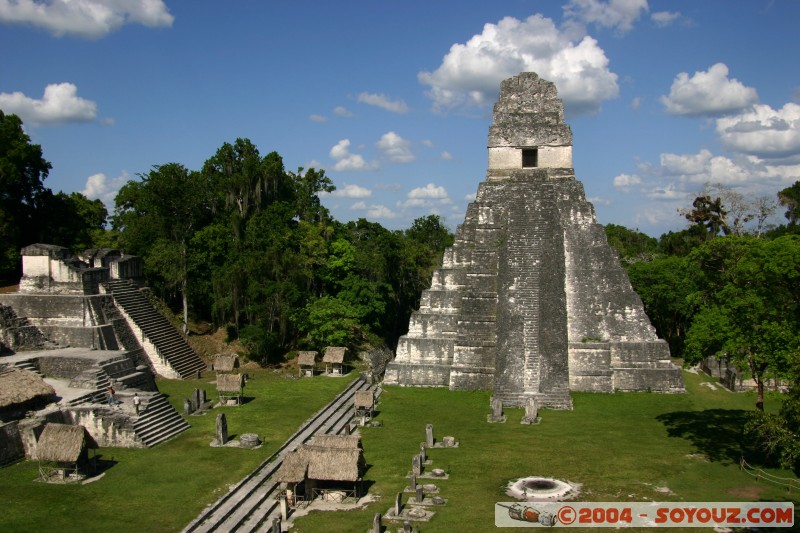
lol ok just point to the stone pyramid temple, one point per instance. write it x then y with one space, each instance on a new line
531 301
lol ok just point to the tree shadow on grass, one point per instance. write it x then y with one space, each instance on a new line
717 433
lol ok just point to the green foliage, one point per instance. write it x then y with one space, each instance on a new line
158 217
682 242
23 170
632 246
748 305
430 231
307 186
664 286
790 199
710 214
778 434
247 244
331 321
262 345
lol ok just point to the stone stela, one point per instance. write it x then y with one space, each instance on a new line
531 412
530 300
221 430
496 416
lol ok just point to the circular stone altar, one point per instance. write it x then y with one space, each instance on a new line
541 489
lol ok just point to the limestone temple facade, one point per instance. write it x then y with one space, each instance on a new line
531 301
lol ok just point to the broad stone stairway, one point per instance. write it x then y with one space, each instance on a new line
158 421
251 504
531 314
171 347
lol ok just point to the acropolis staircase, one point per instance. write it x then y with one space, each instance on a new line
173 350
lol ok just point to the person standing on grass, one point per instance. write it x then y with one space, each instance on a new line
136 402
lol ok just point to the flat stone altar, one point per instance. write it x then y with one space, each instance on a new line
531 301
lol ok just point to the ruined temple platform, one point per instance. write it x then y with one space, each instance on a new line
97 356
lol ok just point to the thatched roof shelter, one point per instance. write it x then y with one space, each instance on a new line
306 358
364 399
19 386
336 441
226 362
334 464
230 383
294 467
334 354
321 463
62 443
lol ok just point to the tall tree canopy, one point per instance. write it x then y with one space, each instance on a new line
748 305
23 170
30 212
790 199
158 217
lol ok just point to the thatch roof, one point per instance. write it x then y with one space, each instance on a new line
18 386
230 382
62 443
321 463
334 354
364 398
336 441
226 362
334 464
306 358
293 468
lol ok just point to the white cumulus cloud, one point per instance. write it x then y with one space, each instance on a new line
708 93
100 187
685 164
617 14
764 132
665 18
85 18
345 160
317 118
342 111
470 73
624 182
428 191
666 193
60 104
428 196
395 148
705 167
352 191
384 102
380 211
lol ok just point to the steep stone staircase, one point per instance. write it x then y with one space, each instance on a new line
157 420
531 279
170 345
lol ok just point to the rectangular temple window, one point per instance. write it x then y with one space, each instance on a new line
530 157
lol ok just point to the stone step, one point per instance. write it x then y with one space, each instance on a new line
169 343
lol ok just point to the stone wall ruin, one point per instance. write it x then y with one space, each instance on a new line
530 300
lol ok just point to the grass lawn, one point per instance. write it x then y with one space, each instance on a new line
164 488
619 447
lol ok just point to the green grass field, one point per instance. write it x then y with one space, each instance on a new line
619 447
166 487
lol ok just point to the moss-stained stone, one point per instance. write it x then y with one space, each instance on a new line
529 277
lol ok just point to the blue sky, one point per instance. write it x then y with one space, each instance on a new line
393 99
